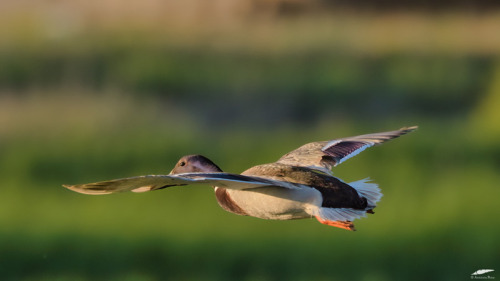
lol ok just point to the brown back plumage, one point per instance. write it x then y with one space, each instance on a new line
336 193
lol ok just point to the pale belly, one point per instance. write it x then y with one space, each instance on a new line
277 203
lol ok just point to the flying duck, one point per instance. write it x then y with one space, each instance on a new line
299 185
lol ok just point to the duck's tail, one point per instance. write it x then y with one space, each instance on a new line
369 190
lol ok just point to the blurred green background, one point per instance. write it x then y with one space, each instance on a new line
95 90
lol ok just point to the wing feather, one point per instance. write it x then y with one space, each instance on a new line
154 182
324 155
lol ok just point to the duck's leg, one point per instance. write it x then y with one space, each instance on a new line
340 224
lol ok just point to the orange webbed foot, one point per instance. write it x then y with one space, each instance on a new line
340 224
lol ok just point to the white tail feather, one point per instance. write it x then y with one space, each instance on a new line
369 190
338 214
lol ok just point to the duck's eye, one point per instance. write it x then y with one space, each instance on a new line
182 164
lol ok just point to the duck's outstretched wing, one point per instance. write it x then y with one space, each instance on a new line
154 182
324 155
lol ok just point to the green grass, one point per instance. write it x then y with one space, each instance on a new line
282 257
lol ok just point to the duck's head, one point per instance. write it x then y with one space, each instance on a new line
195 164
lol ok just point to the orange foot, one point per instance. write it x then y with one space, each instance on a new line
340 224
